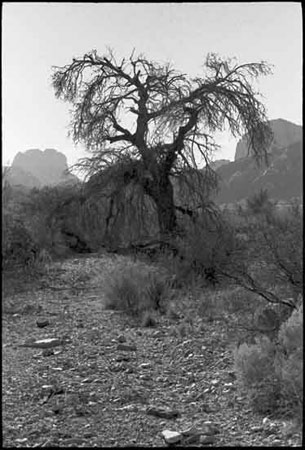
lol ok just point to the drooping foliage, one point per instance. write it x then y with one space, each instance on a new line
146 123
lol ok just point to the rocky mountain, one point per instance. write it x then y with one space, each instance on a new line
219 162
285 133
282 177
36 168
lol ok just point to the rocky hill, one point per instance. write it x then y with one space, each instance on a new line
285 133
36 168
282 178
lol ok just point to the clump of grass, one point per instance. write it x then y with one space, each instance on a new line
136 288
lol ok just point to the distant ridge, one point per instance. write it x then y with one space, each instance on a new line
285 134
282 178
37 168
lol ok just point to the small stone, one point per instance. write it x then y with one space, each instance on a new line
164 413
145 377
205 440
48 352
123 358
276 442
209 428
121 338
41 323
231 374
191 431
130 408
145 365
171 437
195 439
127 347
157 334
47 386
42 343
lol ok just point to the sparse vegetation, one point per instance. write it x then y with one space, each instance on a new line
158 251
272 371
136 288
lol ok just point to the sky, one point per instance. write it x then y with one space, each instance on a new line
38 36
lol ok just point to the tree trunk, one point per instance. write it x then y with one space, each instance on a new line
164 199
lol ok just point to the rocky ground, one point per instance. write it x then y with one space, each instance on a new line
76 374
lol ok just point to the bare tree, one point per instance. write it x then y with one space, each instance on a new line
157 123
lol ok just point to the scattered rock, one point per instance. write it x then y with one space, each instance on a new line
164 413
47 387
189 440
145 365
171 437
191 435
48 352
121 338
205 440
231 374
123 358
41 323
42 343
145 377
130 408
209 429
191 431
157 334
127 347
21 440
276 442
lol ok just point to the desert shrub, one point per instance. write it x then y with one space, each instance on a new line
272 371
148 319
290 359
18 245
254 365
269 262
204 250
136 288
40 261
49 211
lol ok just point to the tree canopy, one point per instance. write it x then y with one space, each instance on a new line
157 123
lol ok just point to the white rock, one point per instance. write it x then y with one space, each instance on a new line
171 437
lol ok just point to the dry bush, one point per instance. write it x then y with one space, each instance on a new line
272 372
148 319
254 365
269 262
136 288
290 360
203 251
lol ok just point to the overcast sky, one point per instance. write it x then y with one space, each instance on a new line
37 36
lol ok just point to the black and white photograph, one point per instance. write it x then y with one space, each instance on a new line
152 224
